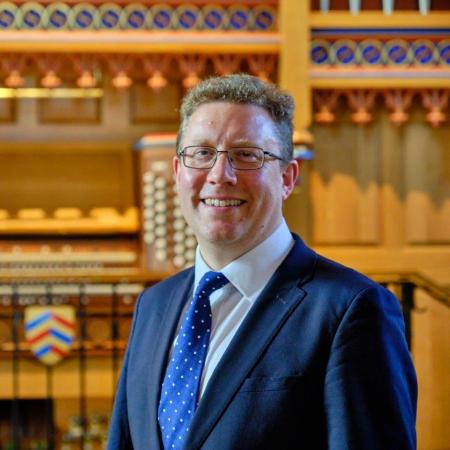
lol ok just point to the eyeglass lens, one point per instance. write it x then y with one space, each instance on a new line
245 158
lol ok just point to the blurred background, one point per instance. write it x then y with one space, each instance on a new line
89 98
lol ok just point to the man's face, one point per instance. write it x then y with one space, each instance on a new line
259 193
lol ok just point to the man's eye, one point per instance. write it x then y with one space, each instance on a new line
246 155
203 152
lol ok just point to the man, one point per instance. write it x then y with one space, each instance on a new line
264 344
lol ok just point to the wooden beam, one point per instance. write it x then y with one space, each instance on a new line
138 42
294 58
381 82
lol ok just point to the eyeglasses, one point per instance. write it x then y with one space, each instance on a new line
240 158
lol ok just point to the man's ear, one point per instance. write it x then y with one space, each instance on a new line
176 170
289 175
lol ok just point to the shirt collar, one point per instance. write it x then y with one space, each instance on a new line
251 271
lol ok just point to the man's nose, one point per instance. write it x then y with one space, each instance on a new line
222 171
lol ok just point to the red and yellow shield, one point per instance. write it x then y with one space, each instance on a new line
50 331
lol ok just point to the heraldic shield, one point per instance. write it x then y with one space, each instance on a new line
50 331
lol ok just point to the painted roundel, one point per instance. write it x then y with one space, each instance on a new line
343 52
82 16
370 52
133 16
10 15
188 17
444 52
161 17
238 17
424 52
58 16
214 17
108 16
34 16
397 52
264 18
320 52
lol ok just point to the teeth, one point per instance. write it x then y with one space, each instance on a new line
217 202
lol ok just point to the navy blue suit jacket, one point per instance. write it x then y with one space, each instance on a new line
320 362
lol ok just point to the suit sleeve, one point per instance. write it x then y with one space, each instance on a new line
370 390
119 437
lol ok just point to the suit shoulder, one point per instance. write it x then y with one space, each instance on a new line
333 290
344 281
317 272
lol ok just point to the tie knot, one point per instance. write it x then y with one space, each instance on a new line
210 282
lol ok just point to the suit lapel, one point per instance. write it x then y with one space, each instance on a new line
162 339
274 306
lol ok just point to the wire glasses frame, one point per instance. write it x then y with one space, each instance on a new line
240 158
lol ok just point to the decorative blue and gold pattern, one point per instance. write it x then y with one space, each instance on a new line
239 18
424 52
136 16
397 52
343 52
264 18
10 15
370 52
108 16
82 16
380 52
34 16
444 51
320 52
214 17
58 16
161 17
189 17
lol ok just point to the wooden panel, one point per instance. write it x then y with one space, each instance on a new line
155 107
7 110
297 208
427 183
52 176
69 110
345 185
66 381
431 350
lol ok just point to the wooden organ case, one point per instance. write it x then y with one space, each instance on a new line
70 269
91 258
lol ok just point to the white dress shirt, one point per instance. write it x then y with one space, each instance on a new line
248 275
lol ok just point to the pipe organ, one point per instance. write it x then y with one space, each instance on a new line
167 241
69 277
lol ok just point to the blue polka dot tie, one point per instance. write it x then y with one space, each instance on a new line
179 394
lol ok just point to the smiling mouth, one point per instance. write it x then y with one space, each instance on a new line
222 203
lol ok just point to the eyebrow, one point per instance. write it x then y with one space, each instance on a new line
237 143
244 143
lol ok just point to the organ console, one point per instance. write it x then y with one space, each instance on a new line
167 242
147 240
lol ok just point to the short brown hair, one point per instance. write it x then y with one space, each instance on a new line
244 89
